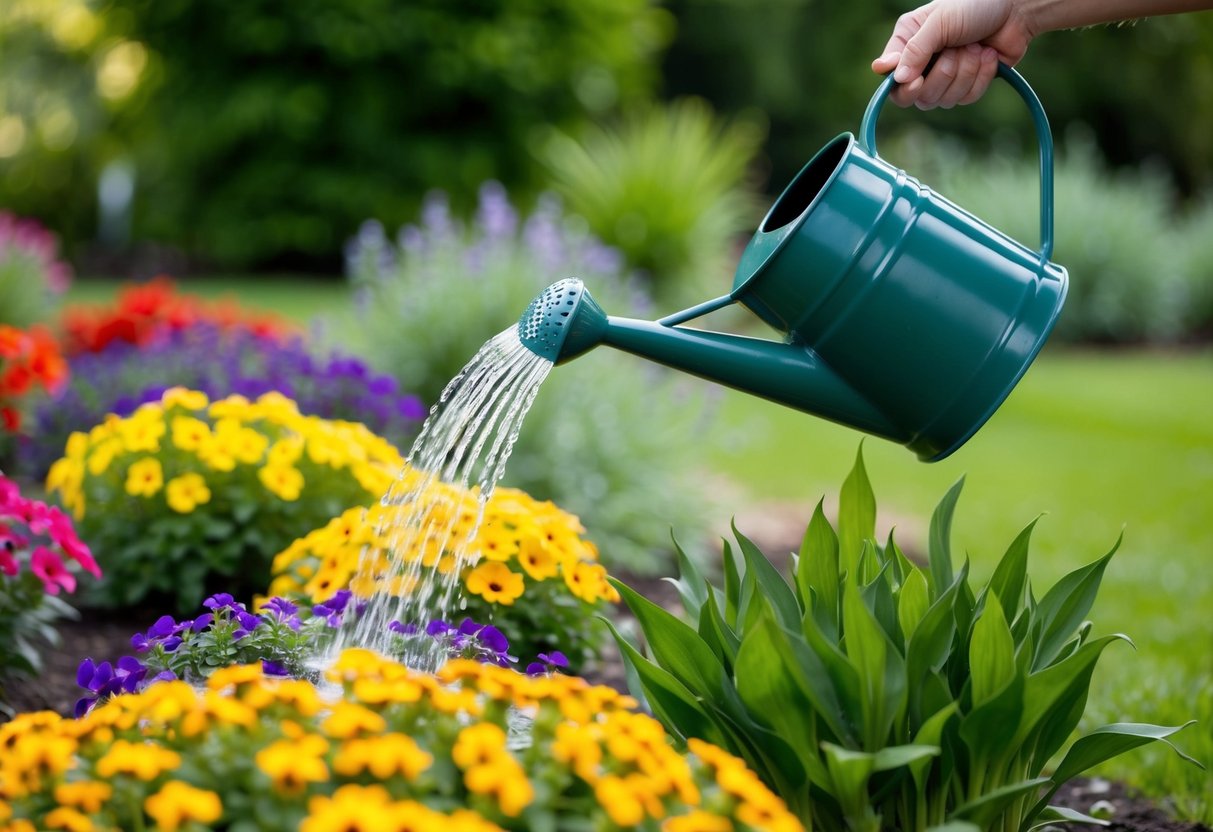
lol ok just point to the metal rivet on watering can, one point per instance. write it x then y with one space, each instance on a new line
904 315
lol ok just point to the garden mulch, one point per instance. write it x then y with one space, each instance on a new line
775 528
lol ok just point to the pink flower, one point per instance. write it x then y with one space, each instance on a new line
8 563
51 571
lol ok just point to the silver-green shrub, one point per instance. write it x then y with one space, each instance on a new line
610 438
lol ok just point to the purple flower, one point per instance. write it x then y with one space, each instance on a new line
163 632
284 611
548 663
104 680
438 627
333 608
400 628
221 601
270 668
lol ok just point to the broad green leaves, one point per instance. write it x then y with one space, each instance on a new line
872 693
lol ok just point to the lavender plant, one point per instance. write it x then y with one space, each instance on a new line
428 299
218 362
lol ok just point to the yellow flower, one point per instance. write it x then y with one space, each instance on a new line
69 819
282 481
698 821
142 430
87 795
479 744
292 765
285 451
141 760
190 434
184 398
351 809
588 581
233 407
538 562
383 757
144 478
625 803
187 492
494 582
348 719
102 455
248 446
178 803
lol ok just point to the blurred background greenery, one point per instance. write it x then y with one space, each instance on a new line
271 148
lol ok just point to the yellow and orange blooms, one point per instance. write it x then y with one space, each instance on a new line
179 449
382 747
520 542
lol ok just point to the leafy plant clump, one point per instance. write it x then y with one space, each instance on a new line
389 749
40 556
185 492
669 187
527 571
875 694
32 277
429 299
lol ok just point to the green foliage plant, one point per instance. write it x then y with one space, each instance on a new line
186 495
872 693
428 299
670 186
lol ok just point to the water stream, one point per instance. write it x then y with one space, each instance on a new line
433 510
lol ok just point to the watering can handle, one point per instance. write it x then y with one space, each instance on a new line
867 141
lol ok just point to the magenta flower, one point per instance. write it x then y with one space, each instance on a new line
50 570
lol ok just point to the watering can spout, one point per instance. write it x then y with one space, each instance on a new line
564 321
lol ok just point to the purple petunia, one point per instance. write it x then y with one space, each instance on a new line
334 608
547 663
104 680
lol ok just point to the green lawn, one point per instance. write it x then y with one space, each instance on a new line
1101 441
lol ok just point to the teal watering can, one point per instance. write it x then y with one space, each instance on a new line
904 315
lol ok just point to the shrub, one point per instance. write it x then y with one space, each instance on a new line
550 583
1117 235
429 300
32 276
393 750
872 693
40 556
185 493
670 187
218 361
1198 235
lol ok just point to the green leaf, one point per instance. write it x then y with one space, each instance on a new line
991 653
843 677
866 647
984 810
856 514
1065 606
670 700
732 584
939 543
912 602
931 643
675 646
1111 741
817 572
896 756
987 730
1010 576
929 735
1060 814
849 772
768 579
719 636
691 585
768 686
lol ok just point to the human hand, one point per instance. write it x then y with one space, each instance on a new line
969 38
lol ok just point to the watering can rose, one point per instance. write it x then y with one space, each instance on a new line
217 488
528 569
396 750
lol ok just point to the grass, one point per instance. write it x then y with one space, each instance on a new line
1104 442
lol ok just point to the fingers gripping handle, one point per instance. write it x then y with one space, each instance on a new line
1044 136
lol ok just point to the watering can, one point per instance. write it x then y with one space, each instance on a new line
903 315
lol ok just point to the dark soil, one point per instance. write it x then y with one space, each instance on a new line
104 635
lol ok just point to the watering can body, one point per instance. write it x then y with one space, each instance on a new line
903 315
